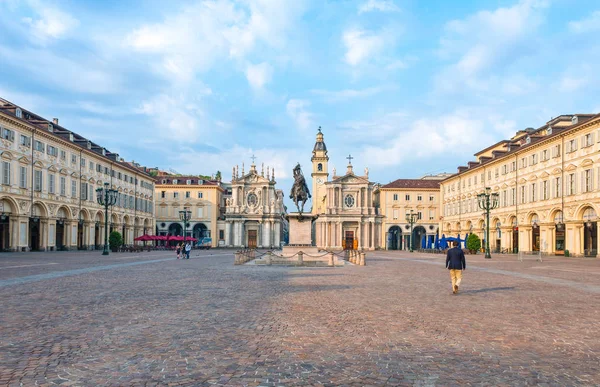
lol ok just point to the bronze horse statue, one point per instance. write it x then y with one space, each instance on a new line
299 193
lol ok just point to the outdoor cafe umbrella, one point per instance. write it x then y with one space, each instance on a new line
443 242
144 238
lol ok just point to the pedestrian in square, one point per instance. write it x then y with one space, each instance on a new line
188 248
455 262
178 250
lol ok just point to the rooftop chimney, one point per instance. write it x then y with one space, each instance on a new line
55 121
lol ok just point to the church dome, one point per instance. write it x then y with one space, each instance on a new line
320 144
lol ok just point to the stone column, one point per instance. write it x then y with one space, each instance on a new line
359 235
44 234
13 224
277 242
579 239
227 233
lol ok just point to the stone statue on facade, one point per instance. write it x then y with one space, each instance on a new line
299 193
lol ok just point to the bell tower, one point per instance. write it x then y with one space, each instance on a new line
320 175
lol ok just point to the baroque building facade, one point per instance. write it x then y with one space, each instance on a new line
397 199
254 212
548 182
346 207
49 176
203 198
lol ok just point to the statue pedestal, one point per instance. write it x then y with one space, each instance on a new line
300 232
300 251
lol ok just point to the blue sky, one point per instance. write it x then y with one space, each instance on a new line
407 87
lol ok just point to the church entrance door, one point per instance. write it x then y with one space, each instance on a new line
349 240
252 239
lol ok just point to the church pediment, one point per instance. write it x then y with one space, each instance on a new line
350 179
253 178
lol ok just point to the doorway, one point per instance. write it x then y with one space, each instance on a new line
349 240
515 240
559 247
34 235
590 240
535 238
80 236
60 235
4 233
252 237
395 238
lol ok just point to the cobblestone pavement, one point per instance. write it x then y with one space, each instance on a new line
80 319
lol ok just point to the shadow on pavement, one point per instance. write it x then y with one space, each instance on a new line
487 290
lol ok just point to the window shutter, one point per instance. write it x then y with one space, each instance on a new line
591 138
591 179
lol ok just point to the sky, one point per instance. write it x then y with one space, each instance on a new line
407 87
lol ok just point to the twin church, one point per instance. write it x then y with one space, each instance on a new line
345 207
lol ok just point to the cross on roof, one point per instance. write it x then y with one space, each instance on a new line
253 158
349 159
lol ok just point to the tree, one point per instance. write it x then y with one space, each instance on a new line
218 176
115 240
473 243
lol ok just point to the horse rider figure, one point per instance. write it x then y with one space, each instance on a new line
300 192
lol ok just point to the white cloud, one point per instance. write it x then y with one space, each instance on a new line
362 45
589 24
259 75
208 32
49 22
343 95
570 84
225 159
176 119
457 134
297 110
482 40
378 5
80 74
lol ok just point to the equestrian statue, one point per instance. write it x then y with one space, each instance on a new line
300 192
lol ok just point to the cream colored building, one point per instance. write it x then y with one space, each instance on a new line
548 182
254 213
204 198
397 199
48 180
346 206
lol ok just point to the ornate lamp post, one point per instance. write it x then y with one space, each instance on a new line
487 202
411 218
106 197
185 216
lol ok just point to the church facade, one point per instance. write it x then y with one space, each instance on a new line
345 206
254 212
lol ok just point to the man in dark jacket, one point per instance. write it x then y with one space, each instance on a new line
455 262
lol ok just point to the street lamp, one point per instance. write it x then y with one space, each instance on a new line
487 202
411 218
185 216
106 197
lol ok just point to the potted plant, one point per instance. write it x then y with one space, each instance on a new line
115 241
473 243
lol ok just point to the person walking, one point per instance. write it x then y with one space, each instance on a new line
188 248
178 249
455 262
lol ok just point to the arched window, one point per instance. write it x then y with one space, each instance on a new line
19 113
320 167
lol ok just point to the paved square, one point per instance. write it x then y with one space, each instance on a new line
80 319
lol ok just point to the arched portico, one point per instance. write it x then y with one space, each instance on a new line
394 238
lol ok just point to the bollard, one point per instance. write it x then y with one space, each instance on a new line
300 258
362 259
331 263
268 258
236 260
